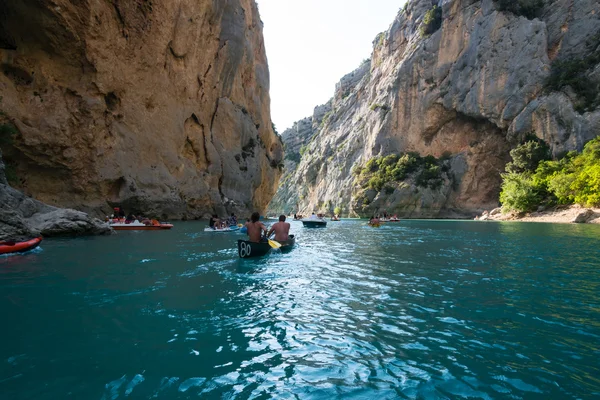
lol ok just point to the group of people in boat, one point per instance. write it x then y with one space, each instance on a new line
119 218
222 223
378 219
258 232
298 217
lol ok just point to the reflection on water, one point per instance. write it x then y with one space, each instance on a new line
416 309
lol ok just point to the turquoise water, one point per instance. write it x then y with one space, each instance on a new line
416 309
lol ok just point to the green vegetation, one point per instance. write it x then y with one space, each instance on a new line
295 157
11 174
337 210
302 150
530 9
531 181
528 156
7 134
431 22
380 173
326 119
375 107
574 73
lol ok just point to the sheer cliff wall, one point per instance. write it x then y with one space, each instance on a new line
460 80
161 107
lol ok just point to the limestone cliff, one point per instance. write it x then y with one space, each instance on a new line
161 107
462 81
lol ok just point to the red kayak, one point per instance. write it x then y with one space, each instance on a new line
19 247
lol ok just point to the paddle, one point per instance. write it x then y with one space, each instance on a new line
274 244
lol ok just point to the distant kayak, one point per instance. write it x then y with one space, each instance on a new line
19 247
232 228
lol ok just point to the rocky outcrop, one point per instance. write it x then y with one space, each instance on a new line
465 88
22 218
160 107
558 214
584 217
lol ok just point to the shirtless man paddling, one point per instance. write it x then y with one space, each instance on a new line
281 229
255 228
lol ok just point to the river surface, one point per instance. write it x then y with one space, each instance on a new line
415 310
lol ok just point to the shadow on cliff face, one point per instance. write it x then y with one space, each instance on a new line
34 26
31 27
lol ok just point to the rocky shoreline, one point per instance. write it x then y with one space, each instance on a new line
560 214
23 218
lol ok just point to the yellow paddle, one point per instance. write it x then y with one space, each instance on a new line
274 244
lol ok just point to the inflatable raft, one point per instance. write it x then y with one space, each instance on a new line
232 228
19 247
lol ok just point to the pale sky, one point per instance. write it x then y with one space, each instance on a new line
312 44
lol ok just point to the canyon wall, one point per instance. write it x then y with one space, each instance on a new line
160 107
463 81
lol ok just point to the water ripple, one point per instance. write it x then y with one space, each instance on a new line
417 309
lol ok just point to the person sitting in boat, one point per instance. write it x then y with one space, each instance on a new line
232 220
130 218
256 228
313 217
374 220
214 222
281 230
146 221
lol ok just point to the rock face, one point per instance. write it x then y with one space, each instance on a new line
161 107
22 218
296 140
584 217
469 92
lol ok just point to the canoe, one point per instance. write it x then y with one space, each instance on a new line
314 224
288 244
138 226
374 225
247 249
19 247
232 228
